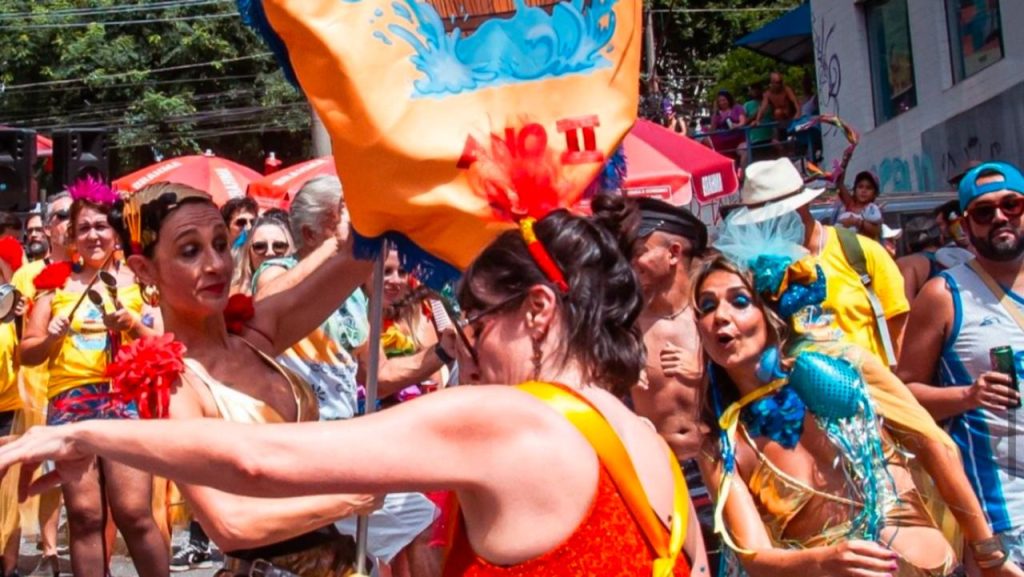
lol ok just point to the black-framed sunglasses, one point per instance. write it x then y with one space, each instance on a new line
985 213
61 215
243 222
278 246
469 321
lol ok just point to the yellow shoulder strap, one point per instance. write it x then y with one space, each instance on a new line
617 462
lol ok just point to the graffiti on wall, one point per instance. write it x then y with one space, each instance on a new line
988 131
959 156
829 69
898 174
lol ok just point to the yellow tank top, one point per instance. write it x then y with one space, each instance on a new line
82 357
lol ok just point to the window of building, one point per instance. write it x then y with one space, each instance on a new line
892 63
975 35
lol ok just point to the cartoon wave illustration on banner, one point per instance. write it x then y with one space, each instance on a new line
530 45
409 88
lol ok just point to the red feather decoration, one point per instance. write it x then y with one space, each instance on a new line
238 312
520 175
53 277
11 252
145 371
521 178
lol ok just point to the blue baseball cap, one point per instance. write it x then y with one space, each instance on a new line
970 189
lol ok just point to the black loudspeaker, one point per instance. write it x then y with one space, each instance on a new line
17 163
77 154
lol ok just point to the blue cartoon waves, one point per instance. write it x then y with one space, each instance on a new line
530 45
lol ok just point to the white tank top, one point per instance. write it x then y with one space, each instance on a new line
991 442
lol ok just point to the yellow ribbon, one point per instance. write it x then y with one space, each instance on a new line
613 455
729 422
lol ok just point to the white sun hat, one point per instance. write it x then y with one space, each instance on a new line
771 189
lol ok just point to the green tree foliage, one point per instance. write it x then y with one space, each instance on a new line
696 55
167 77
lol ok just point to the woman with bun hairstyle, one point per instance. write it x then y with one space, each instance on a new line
76 337
587 491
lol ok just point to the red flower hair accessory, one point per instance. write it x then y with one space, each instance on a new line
145 371
238 312
92 190
11 252
521 178
53 277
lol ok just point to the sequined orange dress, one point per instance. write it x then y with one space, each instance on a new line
608 543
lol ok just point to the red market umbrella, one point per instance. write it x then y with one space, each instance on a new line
276 190
668 165
220 177
44 147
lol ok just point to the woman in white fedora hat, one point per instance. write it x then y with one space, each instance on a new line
773 188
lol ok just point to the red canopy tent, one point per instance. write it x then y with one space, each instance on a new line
667 165
276 190
220 177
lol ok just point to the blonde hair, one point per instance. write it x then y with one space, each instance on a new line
241 281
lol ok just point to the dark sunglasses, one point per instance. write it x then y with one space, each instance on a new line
61 215
243 222
985 213
279 247
470 321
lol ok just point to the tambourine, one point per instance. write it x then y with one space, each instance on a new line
9 299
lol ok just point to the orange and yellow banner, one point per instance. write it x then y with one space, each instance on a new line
410 89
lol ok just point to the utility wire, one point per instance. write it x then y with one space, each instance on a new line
708 10
24 27
131 72
146 82
105 10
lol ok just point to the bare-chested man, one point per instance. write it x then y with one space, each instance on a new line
780 102
669 393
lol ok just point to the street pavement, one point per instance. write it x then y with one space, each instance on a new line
120 566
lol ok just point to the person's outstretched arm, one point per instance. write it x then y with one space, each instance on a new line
458 428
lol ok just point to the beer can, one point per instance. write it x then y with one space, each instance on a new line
1002 362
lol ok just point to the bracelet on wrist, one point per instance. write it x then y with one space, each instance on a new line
989 553
443 355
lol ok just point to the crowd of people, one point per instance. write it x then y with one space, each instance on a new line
774 396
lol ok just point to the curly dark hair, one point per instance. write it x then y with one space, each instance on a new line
599 311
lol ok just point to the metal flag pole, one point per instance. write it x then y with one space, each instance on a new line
376 323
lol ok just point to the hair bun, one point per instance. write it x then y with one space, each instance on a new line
619 216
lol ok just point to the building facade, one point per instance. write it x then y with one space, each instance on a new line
931 85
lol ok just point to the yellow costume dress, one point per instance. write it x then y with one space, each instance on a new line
77 387
321 553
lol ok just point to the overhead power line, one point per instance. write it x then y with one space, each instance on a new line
111 10
708 10
131 72
24 27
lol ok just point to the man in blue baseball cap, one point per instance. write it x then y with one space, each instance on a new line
956 321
